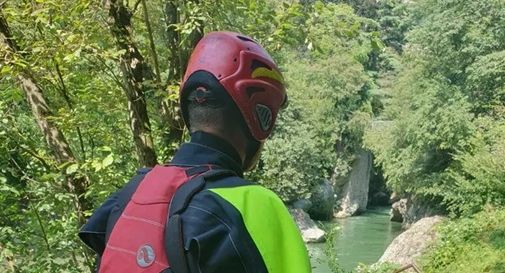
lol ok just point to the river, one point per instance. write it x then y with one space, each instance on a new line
361 239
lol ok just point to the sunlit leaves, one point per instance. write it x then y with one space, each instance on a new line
437 145
328 108
71 169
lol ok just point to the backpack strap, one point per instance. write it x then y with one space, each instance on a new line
174 241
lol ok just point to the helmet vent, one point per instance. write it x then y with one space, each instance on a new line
243 38
257 64
264 116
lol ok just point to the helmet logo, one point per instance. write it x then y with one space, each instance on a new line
263 72
145 256
265 116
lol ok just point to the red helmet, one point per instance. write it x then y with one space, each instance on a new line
248 74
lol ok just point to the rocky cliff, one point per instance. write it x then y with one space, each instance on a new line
411 209
354 193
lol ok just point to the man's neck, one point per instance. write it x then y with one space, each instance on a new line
236 140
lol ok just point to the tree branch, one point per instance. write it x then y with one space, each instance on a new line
135 6
151 42
134 70
70 105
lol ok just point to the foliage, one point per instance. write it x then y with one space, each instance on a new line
393 18
69 51
329 104
274 24
476 177
443 120
329 250
468 245
335 28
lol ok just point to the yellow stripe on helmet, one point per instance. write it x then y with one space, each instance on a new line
267 73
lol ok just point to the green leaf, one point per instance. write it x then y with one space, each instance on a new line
6 188
97 165
5 69
108 160
72 168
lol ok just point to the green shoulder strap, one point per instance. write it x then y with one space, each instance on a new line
271 227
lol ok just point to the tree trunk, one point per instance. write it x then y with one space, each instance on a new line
171 109
42 114
154 55
178 58
175 69
54 137
133 69
179 53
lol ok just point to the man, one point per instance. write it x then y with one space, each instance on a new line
217 222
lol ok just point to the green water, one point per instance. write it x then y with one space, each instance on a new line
361 239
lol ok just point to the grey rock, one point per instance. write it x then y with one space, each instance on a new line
313 235
410 209
411 244
308 228
350 210
355 192
398 210
418 209
303 204
323 201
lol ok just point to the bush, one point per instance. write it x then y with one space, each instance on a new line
469 245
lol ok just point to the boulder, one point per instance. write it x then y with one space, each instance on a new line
323 201
303 204
408 246
308 228
313 235
410 209
398 210
355 192
418 208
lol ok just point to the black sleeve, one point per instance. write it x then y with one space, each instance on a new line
216 239
94 233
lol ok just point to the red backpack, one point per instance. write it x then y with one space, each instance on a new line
147 236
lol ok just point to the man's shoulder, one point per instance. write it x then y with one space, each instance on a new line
243 193
242 186
226 181
236 190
